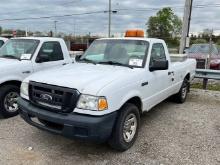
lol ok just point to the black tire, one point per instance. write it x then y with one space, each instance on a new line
117 140
181 96
4 91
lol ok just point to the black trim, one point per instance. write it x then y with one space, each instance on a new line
72 125
62 97
144 84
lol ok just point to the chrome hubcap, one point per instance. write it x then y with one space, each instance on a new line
130 127
10 102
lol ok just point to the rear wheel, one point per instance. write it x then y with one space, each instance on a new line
9 95
181 96
126 128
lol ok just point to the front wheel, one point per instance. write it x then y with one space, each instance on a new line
9 95
126 128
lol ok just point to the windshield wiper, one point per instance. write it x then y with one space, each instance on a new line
87 60
116 63
9 56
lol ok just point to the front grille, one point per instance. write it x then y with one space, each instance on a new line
53 98
200 63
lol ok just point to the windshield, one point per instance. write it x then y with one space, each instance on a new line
14 48
1 43
126 52
203 48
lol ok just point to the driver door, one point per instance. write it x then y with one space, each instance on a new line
158 81
53 51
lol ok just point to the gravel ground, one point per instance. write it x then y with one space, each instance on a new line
170 134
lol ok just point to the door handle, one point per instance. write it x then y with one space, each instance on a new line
144 84
26 72
169 73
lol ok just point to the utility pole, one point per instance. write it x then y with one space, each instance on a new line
26 32
55 28
186 25
208 59
110 18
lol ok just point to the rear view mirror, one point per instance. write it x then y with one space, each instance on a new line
42 58
159 65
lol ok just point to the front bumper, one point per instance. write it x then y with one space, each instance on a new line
72 125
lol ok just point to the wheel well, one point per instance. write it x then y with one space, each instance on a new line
188 76
16 83
137 102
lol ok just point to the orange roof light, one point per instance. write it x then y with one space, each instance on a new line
134 33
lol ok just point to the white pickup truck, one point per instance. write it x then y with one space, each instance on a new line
2 41
20 57
102 96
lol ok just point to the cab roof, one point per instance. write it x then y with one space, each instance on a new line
134 38
40 38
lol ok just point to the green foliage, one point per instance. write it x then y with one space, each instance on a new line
198 41
0 30
7 31
213 87
218 42
164 25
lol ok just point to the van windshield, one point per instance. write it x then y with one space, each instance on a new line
119 52
14 48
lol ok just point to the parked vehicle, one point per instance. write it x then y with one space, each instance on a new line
102 96
2 41
201 52
19 58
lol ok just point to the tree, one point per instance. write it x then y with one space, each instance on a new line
0 30
164 25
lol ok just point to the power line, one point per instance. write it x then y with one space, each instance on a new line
97 12
42 7
55 16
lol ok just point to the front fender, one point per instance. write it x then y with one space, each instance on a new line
10 78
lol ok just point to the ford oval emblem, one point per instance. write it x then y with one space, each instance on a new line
46 97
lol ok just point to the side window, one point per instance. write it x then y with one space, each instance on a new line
157 53
52 50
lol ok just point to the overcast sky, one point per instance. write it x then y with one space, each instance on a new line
97 23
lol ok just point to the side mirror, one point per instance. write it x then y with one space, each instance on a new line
77 58
159 65
42 58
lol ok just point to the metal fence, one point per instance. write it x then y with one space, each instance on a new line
206 75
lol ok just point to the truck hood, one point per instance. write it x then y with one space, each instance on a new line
8 66
86 78
4 62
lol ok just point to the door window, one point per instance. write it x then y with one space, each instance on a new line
157 53
52 50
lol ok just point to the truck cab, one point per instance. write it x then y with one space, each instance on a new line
21 57
102 96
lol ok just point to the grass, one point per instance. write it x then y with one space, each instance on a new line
212 87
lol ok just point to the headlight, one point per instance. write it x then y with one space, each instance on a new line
93 103
24 88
